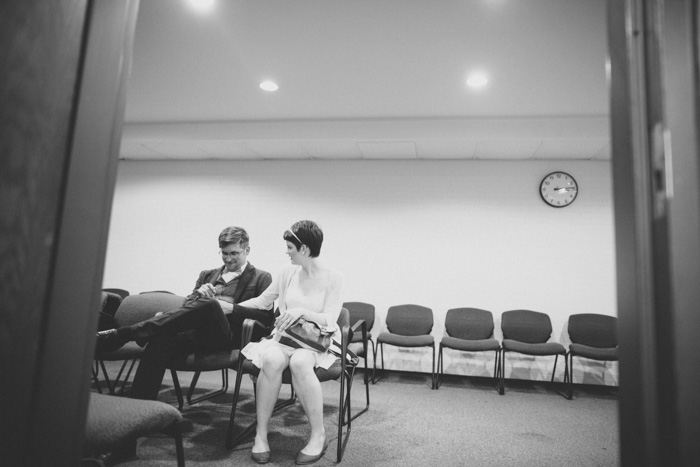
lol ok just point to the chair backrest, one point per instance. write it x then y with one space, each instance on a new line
343 318
360 310
469 323
110 303
136 308
121 292
409 320
593 330
531 327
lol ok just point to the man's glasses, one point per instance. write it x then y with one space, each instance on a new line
232 254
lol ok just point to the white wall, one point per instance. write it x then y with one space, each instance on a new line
441 234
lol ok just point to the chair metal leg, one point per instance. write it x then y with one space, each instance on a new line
110 387
175 432
344 412
210 394
374 360
236 392
366 381
440 368
497 370
126 378
95 374
380 348
178 390
432 375
570 379
502 388
567 374
554 369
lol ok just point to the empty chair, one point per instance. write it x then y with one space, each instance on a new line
593 336
408 326
469 330
528 332
115 423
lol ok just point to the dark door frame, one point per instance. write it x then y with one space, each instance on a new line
656 179
63 88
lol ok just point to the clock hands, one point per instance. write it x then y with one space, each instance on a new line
564 189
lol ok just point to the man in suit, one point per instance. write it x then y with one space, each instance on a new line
208 321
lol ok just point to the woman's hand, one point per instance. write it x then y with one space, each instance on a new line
287 318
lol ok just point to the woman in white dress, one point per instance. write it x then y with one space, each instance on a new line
303 289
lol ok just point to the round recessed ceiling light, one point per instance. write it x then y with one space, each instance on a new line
477 80
201 5
269 86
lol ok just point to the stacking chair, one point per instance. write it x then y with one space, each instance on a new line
528 332
115 421
365 312
408 326
343 370
470 330
133 309
593 336
197 363
222 360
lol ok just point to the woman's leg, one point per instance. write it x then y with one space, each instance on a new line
308 389
275 361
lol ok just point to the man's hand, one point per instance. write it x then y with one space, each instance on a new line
206 291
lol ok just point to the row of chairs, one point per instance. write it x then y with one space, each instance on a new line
135 308
593 336
467 329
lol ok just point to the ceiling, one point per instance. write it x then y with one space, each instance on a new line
369 79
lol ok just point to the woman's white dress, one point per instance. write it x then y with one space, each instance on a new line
324 298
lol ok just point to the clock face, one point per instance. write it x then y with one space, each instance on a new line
558 189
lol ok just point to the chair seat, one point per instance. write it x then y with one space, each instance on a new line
479 345
330 374
112 420
547 348
206 361
594 353
128 351
357 348
405 341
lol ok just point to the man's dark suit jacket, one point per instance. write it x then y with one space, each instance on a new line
250 284
165 346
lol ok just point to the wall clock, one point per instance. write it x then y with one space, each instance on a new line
558 189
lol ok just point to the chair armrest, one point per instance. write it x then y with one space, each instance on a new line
345 338
249 325
361 323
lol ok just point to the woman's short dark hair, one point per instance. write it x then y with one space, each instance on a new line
305 233
232 235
